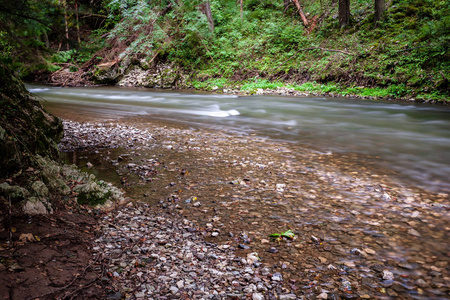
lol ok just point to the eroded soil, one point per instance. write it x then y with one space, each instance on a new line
49 257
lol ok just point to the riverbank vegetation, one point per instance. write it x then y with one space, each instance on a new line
310 46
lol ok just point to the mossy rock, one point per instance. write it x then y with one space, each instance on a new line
26 128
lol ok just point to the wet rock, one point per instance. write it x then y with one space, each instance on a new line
422 283
387 275
414 232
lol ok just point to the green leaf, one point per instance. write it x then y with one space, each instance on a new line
287 234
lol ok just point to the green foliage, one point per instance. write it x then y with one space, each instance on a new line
211 84
260 84
287 234
63 56
96 196
405 55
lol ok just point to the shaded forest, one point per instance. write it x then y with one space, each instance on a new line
390 49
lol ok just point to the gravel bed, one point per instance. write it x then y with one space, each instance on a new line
213 199
159 256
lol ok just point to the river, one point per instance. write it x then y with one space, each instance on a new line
411 139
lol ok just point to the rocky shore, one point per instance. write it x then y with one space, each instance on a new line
206 202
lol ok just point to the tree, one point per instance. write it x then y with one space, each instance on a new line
22 23
205 8
344 13
379 10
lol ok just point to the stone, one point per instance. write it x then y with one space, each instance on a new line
414 232
257 296
322 295
420 282
277 277
180 284
288 297
387 275
34 206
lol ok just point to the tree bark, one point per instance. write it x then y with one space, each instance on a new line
300 11
78 23
47 42
344 13
379 10
205 8
66 23
241 4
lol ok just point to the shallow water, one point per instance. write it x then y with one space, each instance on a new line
412 139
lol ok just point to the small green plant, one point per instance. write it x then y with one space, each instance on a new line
261 84
97 194
287 234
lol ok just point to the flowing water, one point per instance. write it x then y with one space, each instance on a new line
412 139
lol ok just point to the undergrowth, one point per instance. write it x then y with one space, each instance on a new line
267 46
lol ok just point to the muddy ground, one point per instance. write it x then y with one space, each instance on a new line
50 257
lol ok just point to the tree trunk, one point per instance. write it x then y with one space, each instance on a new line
47 42
379 10
205 8
344 13
78 23
241 3
66 23
300 11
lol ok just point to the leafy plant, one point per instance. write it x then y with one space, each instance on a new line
287 234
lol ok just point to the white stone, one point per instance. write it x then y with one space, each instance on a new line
257 296
33 206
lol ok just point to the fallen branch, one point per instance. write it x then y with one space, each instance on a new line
302 14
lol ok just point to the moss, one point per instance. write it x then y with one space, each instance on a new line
93 198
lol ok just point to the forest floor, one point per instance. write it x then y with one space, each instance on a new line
204 205
50 258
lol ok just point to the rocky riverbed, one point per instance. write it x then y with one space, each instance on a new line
206 202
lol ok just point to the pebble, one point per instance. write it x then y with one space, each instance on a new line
387 275
414 232
277 277
257 296
207 263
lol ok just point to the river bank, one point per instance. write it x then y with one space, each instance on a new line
359 232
